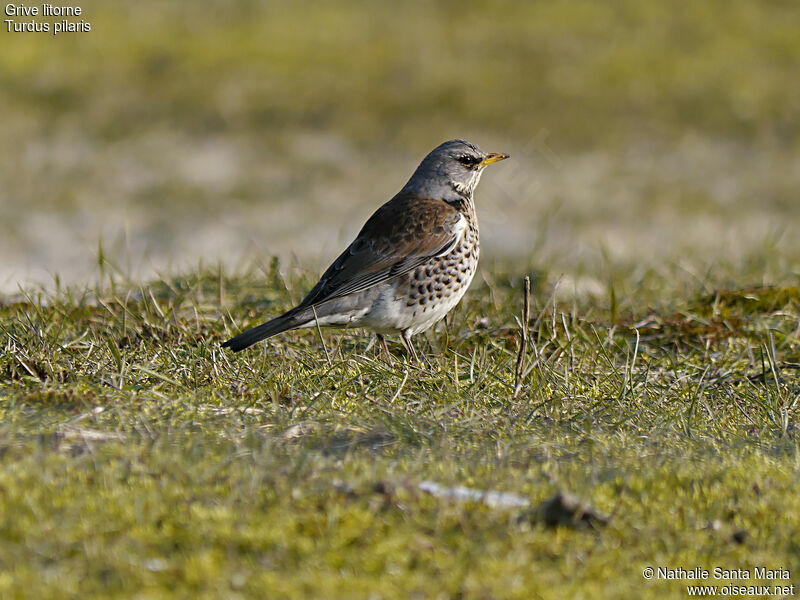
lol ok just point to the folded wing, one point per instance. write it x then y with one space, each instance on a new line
403 234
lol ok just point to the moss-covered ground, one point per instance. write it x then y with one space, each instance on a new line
140 460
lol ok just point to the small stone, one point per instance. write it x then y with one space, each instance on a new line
564 509
739 536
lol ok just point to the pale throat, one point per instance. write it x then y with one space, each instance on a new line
467 188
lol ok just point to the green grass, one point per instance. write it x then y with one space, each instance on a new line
651 129
380 72
140 460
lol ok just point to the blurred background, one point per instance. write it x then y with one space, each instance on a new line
643 133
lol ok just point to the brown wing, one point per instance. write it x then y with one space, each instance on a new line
402 234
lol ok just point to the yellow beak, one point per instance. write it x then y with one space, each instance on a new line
492 157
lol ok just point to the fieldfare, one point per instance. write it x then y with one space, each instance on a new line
410 264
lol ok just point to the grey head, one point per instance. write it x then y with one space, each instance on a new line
451 171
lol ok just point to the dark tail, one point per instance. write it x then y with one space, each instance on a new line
290 320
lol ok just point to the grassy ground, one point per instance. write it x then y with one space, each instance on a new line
141 460
261 128
651 69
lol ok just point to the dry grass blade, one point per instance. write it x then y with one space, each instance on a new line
523 338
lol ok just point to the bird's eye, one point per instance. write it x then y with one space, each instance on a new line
467 160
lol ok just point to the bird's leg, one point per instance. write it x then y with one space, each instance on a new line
382 340
409 346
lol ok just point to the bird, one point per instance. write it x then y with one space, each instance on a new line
410 264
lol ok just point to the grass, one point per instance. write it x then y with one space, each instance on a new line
141 460
257 128
382 73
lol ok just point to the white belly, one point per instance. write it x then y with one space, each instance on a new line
417 302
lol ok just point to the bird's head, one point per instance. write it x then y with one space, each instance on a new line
454 167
